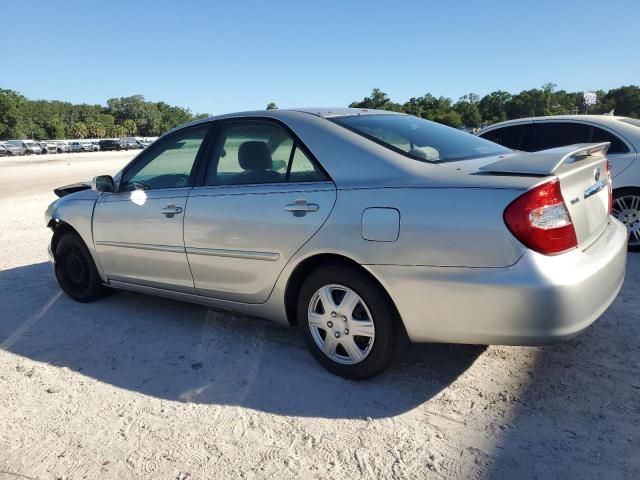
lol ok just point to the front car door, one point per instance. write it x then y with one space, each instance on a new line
138 231
263 196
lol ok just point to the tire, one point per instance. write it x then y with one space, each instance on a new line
370 313
75 270
626 208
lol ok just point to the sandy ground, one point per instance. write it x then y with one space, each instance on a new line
139 387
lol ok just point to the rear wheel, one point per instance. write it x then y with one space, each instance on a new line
626 208
75 270
347 322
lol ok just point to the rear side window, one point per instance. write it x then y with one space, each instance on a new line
419 139
617 145
516 137
558 134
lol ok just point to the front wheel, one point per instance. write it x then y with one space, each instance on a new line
347 322
626 208
75 270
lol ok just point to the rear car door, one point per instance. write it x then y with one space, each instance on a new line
262 196
138 231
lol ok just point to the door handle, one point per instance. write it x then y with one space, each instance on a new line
171 210
301 206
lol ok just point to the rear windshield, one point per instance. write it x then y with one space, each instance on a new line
631 121
420 139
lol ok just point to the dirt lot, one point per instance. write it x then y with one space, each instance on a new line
139 387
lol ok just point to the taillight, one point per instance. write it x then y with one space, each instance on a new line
541 221
610 187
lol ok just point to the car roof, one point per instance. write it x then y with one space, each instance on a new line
605 119
319 112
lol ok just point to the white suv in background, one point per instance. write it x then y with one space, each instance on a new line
28 146
541 133
77 146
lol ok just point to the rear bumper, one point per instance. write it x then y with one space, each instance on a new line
538 300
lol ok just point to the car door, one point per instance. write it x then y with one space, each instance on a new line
553 133
262 197
138 231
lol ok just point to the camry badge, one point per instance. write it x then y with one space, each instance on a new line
596 174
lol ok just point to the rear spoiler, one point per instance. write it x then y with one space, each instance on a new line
547 162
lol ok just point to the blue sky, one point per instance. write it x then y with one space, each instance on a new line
218 57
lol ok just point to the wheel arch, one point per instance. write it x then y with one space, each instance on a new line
309 264
60 228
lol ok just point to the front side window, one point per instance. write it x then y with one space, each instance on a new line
420 139
255 152
168 165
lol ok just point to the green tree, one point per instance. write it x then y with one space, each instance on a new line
95 130
625 101
272 106
467 108
130 126
10 103
79 130
493 106
377 100
117 131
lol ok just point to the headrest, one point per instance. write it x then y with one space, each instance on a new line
254 155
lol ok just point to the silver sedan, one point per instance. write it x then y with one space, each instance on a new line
362 228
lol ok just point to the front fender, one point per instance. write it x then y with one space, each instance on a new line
75 211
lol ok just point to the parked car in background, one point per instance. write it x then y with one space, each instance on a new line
62 146
13 150
358 226
96 145
130 143
78 146
540 133
28 147
3 151
48 147
108 144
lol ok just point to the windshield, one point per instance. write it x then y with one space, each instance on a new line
420 139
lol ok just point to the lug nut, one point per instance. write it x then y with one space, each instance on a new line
334 314
344 319
337 334
346 331
329 324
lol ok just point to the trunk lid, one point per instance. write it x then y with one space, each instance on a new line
584 182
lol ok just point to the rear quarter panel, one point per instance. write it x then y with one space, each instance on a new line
438 227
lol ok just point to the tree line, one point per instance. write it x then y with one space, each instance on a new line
21 117
473 111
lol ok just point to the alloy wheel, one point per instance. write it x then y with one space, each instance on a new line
626 208
341 324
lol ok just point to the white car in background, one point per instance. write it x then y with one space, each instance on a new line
28 146
62 146
541 133
77 146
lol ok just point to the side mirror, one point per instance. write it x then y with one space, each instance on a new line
103 183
